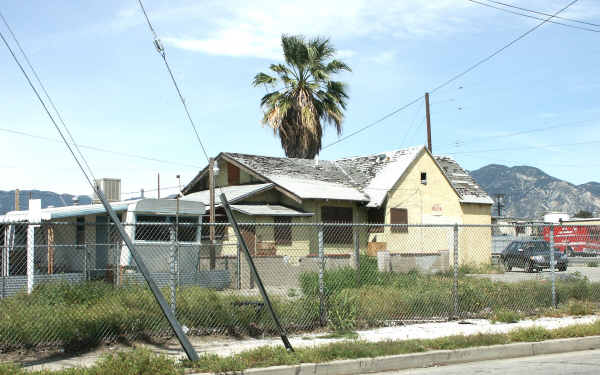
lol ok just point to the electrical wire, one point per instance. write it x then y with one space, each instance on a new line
524 147
39 81
37 94
94 148
542 13
455 77
528 131
533 17
161 50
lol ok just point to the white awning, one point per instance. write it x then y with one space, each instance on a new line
267 210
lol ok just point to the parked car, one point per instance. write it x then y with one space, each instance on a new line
531 255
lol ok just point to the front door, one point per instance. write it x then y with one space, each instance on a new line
249 234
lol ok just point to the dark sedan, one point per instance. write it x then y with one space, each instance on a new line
531 256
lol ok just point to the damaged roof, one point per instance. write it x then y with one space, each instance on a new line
462 181
363 178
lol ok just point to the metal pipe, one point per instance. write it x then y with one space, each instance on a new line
261 287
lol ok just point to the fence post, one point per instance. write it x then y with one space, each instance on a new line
356 256
239 266
455 284
322 316
172 268
30 256
552 266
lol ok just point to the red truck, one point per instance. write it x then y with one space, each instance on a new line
582 240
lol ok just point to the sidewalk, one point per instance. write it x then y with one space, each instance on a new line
227 346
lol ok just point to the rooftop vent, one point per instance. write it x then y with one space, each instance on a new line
111 187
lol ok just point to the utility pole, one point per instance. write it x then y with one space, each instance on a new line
17 194
211 187
428 122
158 185
499 204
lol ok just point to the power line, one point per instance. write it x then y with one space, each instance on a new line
533 17
542 13
37 94
524 147
528 131
39 81
161 51
500 50
94 148
453 78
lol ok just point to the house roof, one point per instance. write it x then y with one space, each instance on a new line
233 193
267 210
462 181
65 212
364 178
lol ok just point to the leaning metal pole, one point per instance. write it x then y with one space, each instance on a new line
164 306
261 287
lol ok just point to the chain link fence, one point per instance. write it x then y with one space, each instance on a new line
73 284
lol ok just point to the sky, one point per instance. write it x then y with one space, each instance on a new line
535 103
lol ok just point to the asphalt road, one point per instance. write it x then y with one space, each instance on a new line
584 363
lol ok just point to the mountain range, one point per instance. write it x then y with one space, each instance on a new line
49 198
529 192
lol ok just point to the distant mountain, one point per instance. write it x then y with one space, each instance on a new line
592 187
529 192
49 198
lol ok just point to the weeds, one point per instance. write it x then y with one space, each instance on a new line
506 316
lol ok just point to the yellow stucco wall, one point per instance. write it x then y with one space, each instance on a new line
433 203
475 243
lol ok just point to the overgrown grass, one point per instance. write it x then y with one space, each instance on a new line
143 362
77 317
137 362
506 316
275 356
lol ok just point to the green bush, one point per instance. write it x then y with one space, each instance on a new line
506 316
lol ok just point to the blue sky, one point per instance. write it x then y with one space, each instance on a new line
98 62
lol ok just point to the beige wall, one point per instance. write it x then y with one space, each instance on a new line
433 203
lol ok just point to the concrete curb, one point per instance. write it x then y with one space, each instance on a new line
432 358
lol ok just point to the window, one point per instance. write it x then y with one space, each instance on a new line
80 231
233 174
399 216
424 178
283 233
156 228
337 234
376 216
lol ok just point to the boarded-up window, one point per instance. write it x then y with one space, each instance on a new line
376 216
283 233
337 234
233 174
399 216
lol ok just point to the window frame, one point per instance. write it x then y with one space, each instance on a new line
166 221
337 234
404 217
282 233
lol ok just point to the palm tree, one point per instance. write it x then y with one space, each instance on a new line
307 96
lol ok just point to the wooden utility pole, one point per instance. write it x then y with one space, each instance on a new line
158 186
17 194
211 187
428 122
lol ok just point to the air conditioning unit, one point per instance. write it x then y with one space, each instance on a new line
111 187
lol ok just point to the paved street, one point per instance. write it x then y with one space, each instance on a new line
584 363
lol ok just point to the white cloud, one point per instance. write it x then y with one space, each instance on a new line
253 29
384 57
